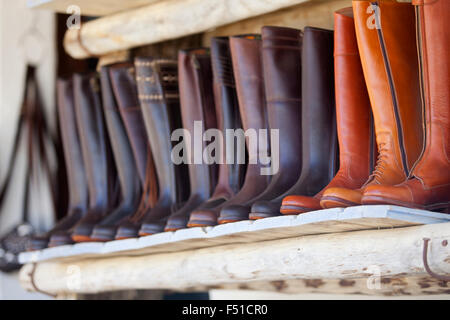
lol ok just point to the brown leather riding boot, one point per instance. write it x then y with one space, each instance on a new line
318 123
227 111
385 34
130 186
90 124
76 177
247 69
123 78
281 60
353 117
428 186
157 82
197 104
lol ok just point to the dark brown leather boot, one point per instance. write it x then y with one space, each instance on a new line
388 53
121 147
89 119
227 111
78 190
157 81
281 58
247 69
124 81
428 185
319 139
197 104
354 119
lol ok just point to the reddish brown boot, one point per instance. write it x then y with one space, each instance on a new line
387 46
428 186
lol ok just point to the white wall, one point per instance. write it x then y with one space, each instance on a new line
15 20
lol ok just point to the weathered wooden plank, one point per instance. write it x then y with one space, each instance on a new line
388 253
162 21
313 13
90 7
318 222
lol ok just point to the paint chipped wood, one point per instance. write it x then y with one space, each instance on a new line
378 262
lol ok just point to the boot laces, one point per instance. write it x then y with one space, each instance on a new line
380 163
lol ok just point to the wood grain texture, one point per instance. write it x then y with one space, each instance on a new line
162 21
334 220
390 253
314 13
90 7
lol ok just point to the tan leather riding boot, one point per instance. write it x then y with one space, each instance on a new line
385 32
428 186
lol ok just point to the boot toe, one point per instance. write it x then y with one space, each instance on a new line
60 238
37 243
149 228
104 233
399 195
175 223
264 209
299 204
127 231
233 213
203 218
341 197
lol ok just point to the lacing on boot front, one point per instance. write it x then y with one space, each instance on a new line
378 171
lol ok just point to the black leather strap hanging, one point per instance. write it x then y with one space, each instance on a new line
33 131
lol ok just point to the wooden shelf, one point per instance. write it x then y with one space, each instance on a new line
328 251
165 20
90 7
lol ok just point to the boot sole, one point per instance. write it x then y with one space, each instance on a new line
338 202
373 200
294 210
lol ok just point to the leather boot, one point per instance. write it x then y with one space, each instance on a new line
123 156
197 104
227 111
318 124
428 185
157 81
124 80
389 59
78 190
247 69
353 115
281 59
89 119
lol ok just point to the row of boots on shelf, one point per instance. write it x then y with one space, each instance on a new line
362 115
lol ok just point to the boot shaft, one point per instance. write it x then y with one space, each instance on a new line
121 148
227 112
197 104
157 82
123 81
248 74
357 149
386 42
78 190
433 38
91 130
281 58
